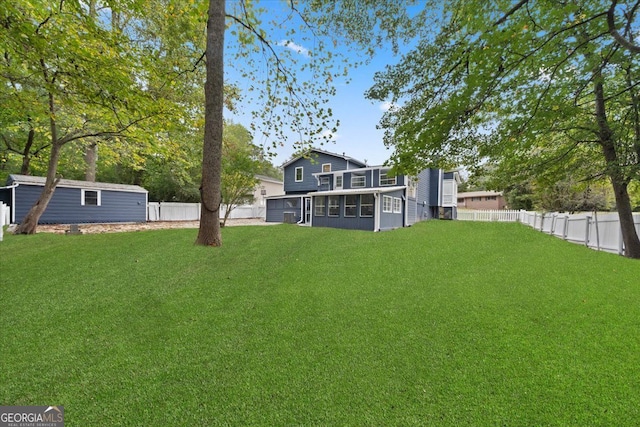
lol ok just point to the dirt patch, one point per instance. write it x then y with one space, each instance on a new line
138 226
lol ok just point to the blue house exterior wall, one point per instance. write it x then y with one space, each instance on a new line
340 221
426 187
390 221
65 206
310 166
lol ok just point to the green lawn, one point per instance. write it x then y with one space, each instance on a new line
444 323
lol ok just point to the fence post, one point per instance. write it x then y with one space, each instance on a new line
586 231
565 231
595 217
2 215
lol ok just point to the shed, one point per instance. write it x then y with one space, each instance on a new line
76 202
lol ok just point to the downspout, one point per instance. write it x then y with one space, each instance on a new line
302 206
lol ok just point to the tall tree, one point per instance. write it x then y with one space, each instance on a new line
82 76
536 83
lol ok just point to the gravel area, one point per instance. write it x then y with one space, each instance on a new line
152 225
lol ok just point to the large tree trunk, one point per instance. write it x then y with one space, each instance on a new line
91 161
615 173
30 222
210 191
25 169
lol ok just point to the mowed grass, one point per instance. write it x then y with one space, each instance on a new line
444 323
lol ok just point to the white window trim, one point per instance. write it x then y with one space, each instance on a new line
317 205
387 204
373 205
329 206
295 175
397 205
82 197
325 180
355 206
335 181
387 181
326 164
359 177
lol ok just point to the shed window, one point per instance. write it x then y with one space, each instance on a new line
90 198
299 174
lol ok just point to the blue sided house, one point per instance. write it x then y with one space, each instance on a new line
76 202
324 189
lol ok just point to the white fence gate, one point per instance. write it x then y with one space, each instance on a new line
599 231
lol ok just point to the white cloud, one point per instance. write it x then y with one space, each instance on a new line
294 47
387 106
327 135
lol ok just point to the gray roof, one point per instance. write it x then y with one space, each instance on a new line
70 183
307 153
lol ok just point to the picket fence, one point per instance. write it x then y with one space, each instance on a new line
172 211
599 231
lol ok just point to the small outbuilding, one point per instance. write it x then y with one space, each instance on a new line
76 202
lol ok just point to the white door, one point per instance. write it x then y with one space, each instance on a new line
307 210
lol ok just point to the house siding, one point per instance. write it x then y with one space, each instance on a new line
65 206
340 221
310 166
392 220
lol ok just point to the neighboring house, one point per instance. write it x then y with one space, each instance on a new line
491 200
76 201
267 187
325 189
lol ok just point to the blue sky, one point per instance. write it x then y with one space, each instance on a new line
357 135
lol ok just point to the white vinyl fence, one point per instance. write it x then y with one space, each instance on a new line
171 211
5 218
599 231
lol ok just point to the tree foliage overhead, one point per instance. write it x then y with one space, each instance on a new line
534 86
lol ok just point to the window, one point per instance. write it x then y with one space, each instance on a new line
326 167
90 198
491 198
350 205
358 181
319 206
299 171
386 180
338 181
366 205
334 205
324 182
397 205
413 184
476 199
387 204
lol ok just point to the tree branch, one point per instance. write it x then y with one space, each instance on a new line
633 48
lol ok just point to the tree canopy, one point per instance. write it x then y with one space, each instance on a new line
533 86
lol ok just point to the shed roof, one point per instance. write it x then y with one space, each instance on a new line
71 183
